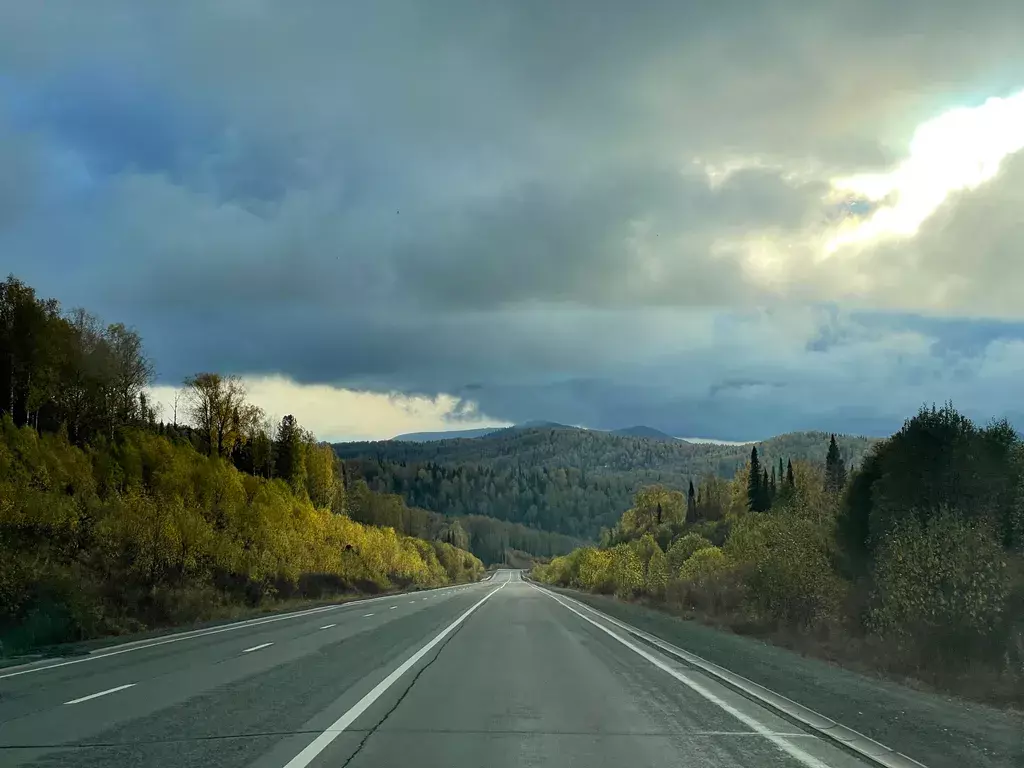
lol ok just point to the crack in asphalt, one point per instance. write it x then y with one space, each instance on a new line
424 668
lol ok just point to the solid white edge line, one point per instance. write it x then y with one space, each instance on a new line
335 729
790 749
141 645
866 748
101 693
257 647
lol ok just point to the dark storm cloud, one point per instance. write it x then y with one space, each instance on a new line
557 202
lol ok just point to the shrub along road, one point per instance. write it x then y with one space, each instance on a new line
498 673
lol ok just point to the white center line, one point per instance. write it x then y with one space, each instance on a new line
367 614
328 626
257 647
320 743
101 693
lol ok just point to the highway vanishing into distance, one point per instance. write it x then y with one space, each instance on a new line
494 674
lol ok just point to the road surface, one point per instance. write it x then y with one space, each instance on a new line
495 674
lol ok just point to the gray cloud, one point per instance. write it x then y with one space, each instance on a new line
515 195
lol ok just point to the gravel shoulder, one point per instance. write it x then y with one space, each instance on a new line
939 731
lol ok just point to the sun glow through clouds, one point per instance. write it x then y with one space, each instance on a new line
959 150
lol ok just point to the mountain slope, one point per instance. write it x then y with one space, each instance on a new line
562 479
470 434
641 431
426 437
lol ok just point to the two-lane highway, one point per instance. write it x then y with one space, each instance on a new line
499 673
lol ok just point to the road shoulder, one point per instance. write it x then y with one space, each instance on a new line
939 731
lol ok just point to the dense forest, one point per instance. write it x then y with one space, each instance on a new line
912 563
488 538
563 479
112 521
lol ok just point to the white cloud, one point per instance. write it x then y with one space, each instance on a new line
337 414
959 150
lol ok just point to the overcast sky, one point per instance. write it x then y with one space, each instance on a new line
719 219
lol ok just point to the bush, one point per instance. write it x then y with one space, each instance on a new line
682 548
941 588
627 571
789 574
657 574
718 593
703 564
594 570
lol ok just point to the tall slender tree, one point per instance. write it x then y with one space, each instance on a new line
288 453
835 467
691 505
755 496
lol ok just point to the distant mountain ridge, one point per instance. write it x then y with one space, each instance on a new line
638 430
453 434
469 434
643 431
559 478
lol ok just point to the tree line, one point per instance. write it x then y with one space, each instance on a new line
913 562
112 521
581 498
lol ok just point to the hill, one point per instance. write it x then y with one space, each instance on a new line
469 434
425 437
649 432
562 479
112 522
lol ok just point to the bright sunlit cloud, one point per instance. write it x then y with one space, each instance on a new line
335 414
959 150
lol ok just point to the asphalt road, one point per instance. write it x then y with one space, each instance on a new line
493 674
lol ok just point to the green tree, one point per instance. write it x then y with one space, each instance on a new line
754 482
289 454
218 411
758 491
835 467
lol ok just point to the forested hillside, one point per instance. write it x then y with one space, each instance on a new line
488 538
111 521
913 564
562 479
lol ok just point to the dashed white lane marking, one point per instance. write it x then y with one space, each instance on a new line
328 626
392 607
321 742
412 602
177 637
257 647
101 693
367 614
